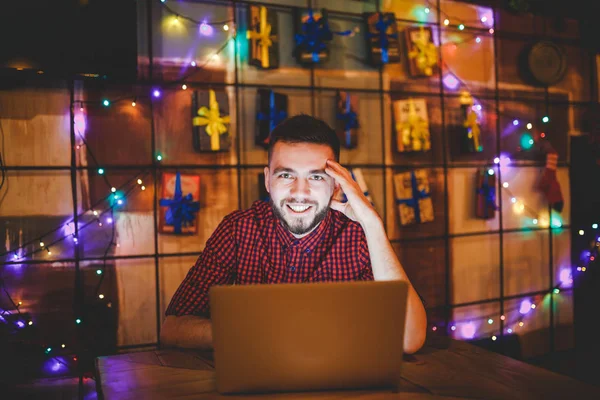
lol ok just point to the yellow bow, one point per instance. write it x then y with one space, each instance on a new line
474 131
414 132
215 124
263 37
424 52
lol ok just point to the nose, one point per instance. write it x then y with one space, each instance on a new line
300 187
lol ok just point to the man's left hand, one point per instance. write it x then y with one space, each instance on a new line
358 208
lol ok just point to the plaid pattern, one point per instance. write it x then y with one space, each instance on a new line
252 247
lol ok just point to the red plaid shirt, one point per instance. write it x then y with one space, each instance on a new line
251 246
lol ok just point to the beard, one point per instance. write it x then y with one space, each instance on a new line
298 225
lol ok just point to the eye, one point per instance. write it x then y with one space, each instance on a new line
285 175
318 177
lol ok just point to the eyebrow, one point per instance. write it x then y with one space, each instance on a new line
281 169
313 171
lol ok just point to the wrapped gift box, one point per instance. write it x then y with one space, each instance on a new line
210 121
271 111
412 125
346 119
382 38
413 197
263 37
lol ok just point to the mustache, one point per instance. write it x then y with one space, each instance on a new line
297 201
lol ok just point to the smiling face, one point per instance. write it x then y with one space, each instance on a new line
298 186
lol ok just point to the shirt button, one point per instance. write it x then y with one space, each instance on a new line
307 251
292 268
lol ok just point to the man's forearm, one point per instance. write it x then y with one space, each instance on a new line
187 331
386 266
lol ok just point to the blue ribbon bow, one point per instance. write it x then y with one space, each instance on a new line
274 116
314 35
417 195
350 121
382 26
182 209
490 196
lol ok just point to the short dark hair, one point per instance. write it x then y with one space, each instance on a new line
304 128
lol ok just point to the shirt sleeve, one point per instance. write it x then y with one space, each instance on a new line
213 267
366 270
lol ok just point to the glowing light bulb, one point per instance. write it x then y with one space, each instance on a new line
156 93
446 22
205 29
478 39
521 323
133 104
594 226
105 103
542 135
225 27
515 122
159 157
139 181
491 31
535 221
453 327
95 213
583 269
434 328
193 63
426 10
483 19
30 323
556 291
49 252
490 171
502 317
109 220
505 185
461 27
113 189
100 171
545 119
101 296
581 232
41 244
20 303
529 125
143 187
494 338
78 321
533 306
513 200
490 321
98 272
120 202
509 330
63 345
184 86
497 160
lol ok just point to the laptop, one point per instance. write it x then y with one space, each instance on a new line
308 336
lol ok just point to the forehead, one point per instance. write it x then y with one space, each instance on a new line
300 155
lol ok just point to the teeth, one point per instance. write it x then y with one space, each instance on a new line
299 208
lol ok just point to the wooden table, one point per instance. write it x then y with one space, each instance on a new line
444 369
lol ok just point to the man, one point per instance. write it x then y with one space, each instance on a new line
301 235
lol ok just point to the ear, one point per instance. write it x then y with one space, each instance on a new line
267 178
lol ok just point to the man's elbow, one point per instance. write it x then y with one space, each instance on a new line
414 343
415 338
167 332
